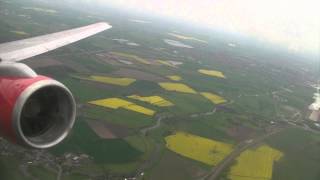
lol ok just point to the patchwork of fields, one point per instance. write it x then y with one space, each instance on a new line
152 100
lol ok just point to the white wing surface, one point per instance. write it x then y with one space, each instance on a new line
26 48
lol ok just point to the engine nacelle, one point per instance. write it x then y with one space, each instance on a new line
35 111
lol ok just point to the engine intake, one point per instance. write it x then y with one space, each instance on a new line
35 111
44 114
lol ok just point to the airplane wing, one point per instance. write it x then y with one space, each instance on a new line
26 48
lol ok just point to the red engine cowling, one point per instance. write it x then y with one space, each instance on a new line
36 111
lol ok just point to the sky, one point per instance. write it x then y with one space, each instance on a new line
293 24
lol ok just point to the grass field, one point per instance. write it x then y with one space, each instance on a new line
84 140
175 167
213 97
214 126
301 154
212 73
88 62
42 173
115 103
185 103
84 92
154 100
177 87
201 149
8 168
122 117
255 164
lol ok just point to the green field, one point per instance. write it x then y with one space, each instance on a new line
84 140
120 116
8 168
176 167
301 154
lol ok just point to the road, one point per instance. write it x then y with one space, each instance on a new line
216 171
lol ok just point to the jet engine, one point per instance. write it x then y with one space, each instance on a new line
35 111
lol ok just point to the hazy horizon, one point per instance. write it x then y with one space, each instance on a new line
293 24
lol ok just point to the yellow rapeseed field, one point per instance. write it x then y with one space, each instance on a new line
109 80
20 33
166 63
154 100
115 103
175 77
201 149
131 56
41 10
255 164
213 98
178 87
212 73
140 109
186 37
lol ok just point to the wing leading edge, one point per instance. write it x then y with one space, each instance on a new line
26 48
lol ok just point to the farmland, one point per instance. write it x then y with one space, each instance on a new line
166 63
163 100
213 97
212 73
177 87
106 130
207 151
103 151
109 80
301 154
123 117
154 100
175 77
131 56
255 164
179 36
115 103
20 33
